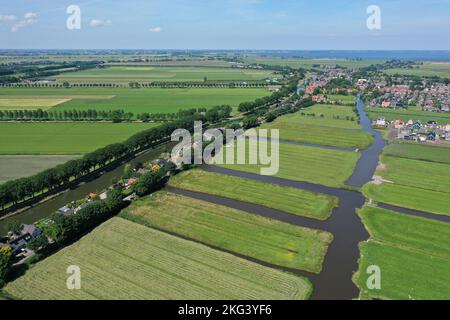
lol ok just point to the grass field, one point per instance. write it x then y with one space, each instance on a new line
418 152
328 127
290 200
408 232
405 275
233 230
412 252
309 63
31 103
416 173
303 163
349 99
124 74
406 115
409 197
124 260
137 100
428 69
14 167
63 138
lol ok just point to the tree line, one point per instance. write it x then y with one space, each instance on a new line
16 191
65 115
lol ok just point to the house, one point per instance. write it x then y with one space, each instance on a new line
130 182
66 211
92 195
28 233
381 122
31 230
398 124
385 104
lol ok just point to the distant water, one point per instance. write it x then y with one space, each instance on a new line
373 55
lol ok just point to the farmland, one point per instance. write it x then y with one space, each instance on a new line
428 69
14 167
290 200
31 103
304 163
124 74
64 138
124 260
309 63
409 197
411 252
135 100
233 230
418 152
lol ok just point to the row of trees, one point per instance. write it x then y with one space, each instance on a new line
66 115
274 97
16 191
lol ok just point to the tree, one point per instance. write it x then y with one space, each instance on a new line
38 243
249 122
15 227
5 263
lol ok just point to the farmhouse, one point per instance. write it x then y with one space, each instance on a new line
19 242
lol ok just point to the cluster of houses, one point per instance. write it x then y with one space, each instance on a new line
403 92
19 242
318 80
417 131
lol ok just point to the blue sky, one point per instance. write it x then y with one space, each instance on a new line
226 24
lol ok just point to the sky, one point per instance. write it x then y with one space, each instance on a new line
226 24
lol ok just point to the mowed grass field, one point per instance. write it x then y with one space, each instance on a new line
309 63
135 100
122 260
428 69
414 184
418 152
233 230
164 74
14 167
290 200
346 99
323 128
412 253
31 103
303 163
64 138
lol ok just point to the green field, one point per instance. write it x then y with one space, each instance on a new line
407 114
137 100
14 167
290 200
405 275
124 260
406 248
329 126
428 69
418 152
31 103
414 184
303 163
124 74
64 138
416 173
233 230
346 99
309 63
409 197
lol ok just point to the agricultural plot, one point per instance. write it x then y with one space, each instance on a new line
138 100
290 200
14 167
406 249
418 152
122 260
64 138
413 184
310 63
409 197
428 69
303 163
233 230
416 173
31 103
345 99
124 74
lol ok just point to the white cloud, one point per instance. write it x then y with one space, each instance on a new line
99 23
7 17
28 19
156 29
